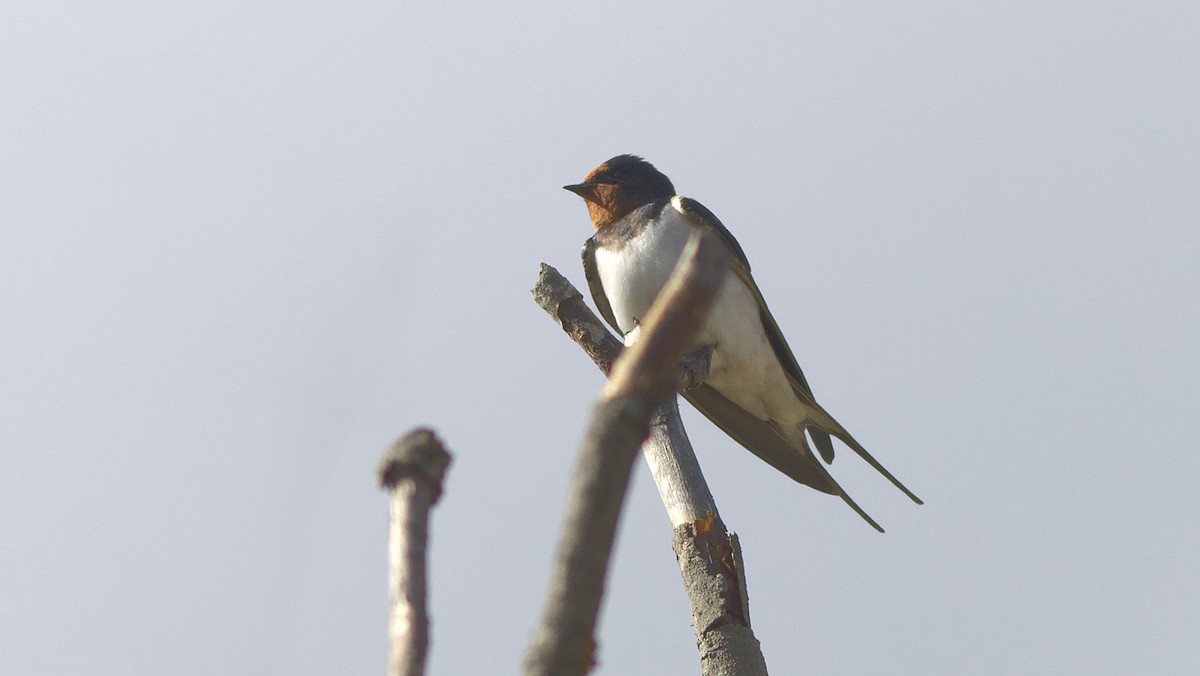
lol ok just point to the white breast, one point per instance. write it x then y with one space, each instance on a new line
634 274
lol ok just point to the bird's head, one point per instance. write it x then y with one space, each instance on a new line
619 186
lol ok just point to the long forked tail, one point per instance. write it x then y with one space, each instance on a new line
812 464
846 497
828 424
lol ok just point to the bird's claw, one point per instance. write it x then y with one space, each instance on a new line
694 368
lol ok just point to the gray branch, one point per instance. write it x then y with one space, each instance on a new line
709 557
641 379
412 471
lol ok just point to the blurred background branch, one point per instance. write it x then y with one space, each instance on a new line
412 471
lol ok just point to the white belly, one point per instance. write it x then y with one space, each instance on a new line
744 367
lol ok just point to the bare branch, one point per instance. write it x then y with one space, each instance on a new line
559 298
642 378
709 557
412 471
554 294
676 471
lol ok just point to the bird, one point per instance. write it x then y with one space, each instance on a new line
755 391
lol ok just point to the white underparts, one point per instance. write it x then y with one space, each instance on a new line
744 367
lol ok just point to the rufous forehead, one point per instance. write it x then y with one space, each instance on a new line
596 172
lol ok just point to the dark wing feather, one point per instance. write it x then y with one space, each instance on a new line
788 360
821 430
702 216
765 440
760 438
593 280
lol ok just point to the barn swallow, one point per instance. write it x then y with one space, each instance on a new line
755 391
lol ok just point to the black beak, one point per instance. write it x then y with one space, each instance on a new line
584 190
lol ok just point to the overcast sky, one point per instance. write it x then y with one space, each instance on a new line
244 245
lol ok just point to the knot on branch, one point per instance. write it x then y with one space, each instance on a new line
711 561
419 455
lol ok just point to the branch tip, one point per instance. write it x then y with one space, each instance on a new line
551 289
419 454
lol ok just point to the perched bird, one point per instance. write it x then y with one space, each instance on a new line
755 391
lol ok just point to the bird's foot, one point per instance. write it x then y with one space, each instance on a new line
694 368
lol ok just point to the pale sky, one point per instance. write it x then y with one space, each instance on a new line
244 245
